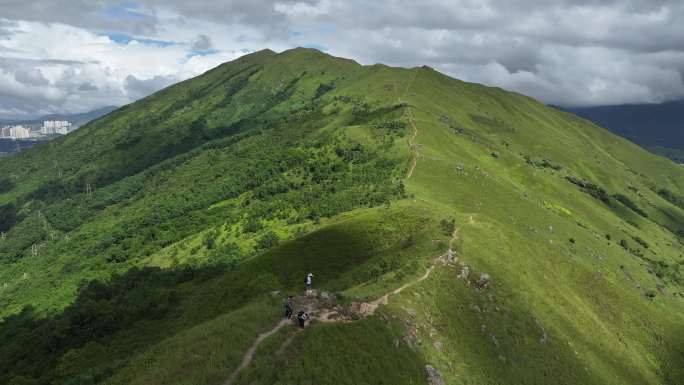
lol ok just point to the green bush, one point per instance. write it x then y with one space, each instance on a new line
624 244
631 205
448 226
543 163
8 216
268 240
591 189
6 184
641 241
671 197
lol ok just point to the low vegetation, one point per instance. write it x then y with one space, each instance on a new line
153 245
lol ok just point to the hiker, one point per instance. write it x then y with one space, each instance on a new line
289 307
309 281
301 318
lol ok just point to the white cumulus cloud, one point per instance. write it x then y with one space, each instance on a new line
65 55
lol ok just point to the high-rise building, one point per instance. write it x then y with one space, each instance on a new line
52 127
15 132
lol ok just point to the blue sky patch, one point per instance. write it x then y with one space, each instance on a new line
124 11
122 38
203 52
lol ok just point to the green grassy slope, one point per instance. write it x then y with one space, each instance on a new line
275 164
236 183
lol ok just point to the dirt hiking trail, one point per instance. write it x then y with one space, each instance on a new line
320 311
249 355
413 147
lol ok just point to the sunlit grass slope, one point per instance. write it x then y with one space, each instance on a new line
191 206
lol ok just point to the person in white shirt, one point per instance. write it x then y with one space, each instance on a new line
309 281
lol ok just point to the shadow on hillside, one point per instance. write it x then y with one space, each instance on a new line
671 354
32 346
141 307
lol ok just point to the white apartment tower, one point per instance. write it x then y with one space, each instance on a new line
52 127
15 132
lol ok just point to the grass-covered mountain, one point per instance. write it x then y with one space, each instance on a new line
657 127
153 245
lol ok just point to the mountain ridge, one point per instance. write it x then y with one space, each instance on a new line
212 198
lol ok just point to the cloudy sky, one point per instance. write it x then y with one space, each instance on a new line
77 55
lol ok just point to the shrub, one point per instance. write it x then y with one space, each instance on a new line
448 226
591 189
210 240
630 204
671 197
624 244
543 163
392 125
640 241
6 184
8 216
252 225
268 240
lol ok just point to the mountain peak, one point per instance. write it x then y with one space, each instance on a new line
483 226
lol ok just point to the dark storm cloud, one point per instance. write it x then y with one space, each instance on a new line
202 43
99 14
261 13
87 86
139 17
563 52
31 76
138 88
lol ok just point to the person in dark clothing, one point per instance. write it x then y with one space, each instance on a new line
301 318
289 307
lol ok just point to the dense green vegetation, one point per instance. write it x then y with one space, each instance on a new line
136 311
155 243
251 180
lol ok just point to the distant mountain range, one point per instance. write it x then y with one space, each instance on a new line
656 127
75 119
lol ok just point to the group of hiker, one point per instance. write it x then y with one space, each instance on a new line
302 316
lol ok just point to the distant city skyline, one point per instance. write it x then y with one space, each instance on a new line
48 128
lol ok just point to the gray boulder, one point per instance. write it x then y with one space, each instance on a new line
434 377
483 282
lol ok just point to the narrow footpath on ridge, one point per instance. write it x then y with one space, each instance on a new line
320 310
413 147
249 355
